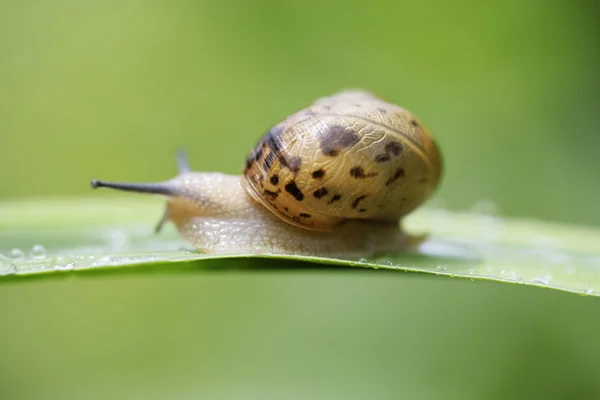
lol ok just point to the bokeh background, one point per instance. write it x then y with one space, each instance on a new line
108 89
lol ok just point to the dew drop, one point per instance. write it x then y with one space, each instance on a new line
363 260
382 261
442 268
588 289
17 254
512 276
63 263
38 251
543 280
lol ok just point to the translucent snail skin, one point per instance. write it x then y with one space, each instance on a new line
334 179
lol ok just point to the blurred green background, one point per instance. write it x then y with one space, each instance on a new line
108 89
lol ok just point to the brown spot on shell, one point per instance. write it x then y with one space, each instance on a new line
292 189
336 139
318 174
320 192
394 147
414 123
258 154
362 210
334 198
398 174
381 158
272 196
305 215
358 200
359 173
286 208
274 180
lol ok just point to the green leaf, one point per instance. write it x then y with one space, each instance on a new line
63 236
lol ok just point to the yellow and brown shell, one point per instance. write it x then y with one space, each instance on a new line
347 156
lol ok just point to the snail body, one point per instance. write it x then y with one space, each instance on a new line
334 179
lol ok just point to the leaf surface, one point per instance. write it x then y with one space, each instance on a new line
55 237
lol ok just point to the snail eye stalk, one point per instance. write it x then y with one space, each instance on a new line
152 188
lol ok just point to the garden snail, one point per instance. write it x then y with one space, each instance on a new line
334 179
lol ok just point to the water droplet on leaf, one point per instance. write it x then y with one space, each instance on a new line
62 263
17 254
542 280
38 251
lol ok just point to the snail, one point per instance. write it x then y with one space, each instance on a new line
334 179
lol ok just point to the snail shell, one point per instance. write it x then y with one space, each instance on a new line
347 156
